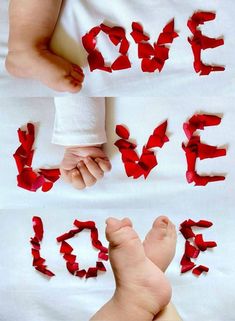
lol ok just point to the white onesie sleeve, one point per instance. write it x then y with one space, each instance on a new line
79 121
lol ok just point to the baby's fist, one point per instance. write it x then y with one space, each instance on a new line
83 166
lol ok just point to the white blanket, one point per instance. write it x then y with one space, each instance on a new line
26 295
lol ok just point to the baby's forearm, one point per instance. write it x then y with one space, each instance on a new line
32 22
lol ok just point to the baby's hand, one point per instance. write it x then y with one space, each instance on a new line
83 166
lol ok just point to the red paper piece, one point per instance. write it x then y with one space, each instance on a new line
194 149
192 251
153 56
66 249
27 178
136 166
117 36
199 42
38 261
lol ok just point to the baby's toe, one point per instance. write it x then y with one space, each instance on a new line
119 232
77 75
70 84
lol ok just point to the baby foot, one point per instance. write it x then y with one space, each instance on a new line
160 242
140 284
41 64
84 166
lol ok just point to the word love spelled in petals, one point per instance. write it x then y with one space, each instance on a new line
192 250
38 261
136 166
72 265
28 178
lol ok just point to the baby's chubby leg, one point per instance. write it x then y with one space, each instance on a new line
32 23
142 289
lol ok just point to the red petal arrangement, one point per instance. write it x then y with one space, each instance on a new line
153 56
117 36
200 42
192 250
38 261
136 166
66 249
194 149
27 178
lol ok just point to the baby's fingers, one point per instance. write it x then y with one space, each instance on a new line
104 164
77 179
93 168
88 178
65 174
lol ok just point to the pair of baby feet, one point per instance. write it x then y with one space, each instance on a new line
141 286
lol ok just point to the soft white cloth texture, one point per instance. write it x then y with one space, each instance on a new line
79 121
26 295
177 77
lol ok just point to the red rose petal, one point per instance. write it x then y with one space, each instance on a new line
103 256
68 235
204 223
100 266
200 269
186 264
187 232
122 62
47 186
89 42
66 248
44 270
122 132
95 60
129 155
145 50
191 251
138 33
91 273
38 228
70 258
80 273
72 267
124 144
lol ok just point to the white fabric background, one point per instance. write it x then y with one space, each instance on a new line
178 76
26 295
